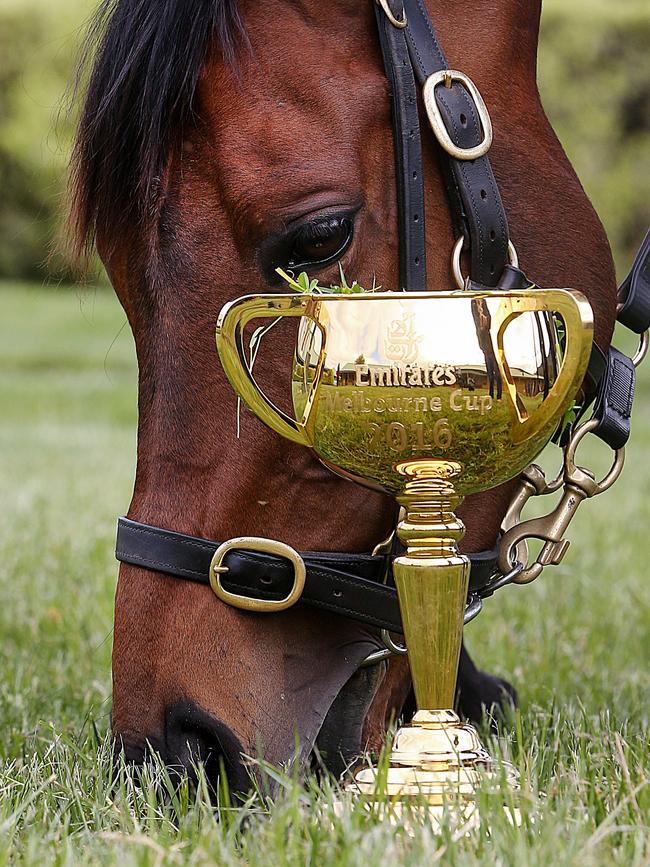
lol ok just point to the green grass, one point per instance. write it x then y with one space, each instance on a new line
361 442
576 644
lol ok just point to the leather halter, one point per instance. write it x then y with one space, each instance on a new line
359 586
353 585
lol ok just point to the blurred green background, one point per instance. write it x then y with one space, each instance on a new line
594 77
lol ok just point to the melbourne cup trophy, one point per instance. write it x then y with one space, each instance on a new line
428 396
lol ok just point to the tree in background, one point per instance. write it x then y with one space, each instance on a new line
594 71
594 77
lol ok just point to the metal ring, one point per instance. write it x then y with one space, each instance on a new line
642 351
397 649
497 581
389 14
569 456
473 609
510 577
513 259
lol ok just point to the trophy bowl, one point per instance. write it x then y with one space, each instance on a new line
428 396
385 378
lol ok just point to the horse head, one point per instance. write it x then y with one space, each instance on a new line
219 140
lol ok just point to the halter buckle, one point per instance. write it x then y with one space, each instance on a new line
268 546
446 77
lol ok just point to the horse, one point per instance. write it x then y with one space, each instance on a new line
219 140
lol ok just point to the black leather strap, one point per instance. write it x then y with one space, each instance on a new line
475 203
613 407
409 174
634 292
611 376
476 206
609 385
348 584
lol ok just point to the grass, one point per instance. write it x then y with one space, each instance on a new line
337 432
576 644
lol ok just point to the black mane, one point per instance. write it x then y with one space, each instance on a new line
147 56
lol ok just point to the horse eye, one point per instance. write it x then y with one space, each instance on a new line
320 242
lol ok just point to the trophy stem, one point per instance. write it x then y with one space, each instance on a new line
436 757
432 580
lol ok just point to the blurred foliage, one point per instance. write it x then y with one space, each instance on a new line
594 77
38 43
594 74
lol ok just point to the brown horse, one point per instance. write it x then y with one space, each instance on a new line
220 139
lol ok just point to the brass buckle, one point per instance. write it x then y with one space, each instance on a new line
437 123
268 546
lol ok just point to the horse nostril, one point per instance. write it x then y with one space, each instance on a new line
193 736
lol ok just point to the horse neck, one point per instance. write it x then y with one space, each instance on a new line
495 42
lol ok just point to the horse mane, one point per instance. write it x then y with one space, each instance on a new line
144 58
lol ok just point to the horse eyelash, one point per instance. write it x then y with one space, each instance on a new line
321 229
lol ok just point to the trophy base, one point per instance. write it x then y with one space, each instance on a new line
437 765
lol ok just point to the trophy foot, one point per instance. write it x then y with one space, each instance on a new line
439 764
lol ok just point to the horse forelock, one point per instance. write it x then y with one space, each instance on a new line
139 66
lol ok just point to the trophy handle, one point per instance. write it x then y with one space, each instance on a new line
231 323
577 316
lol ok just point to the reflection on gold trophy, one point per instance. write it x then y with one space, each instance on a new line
429 397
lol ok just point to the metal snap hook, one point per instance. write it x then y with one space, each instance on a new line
575 474
579 484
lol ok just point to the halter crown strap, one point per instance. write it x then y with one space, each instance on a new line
411 51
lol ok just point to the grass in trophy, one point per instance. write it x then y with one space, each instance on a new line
481 436
576 644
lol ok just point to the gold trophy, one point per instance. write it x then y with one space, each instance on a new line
428 396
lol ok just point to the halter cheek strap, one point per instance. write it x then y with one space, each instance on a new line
461 125
611 376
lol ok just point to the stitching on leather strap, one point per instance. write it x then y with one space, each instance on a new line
206 546
148 563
